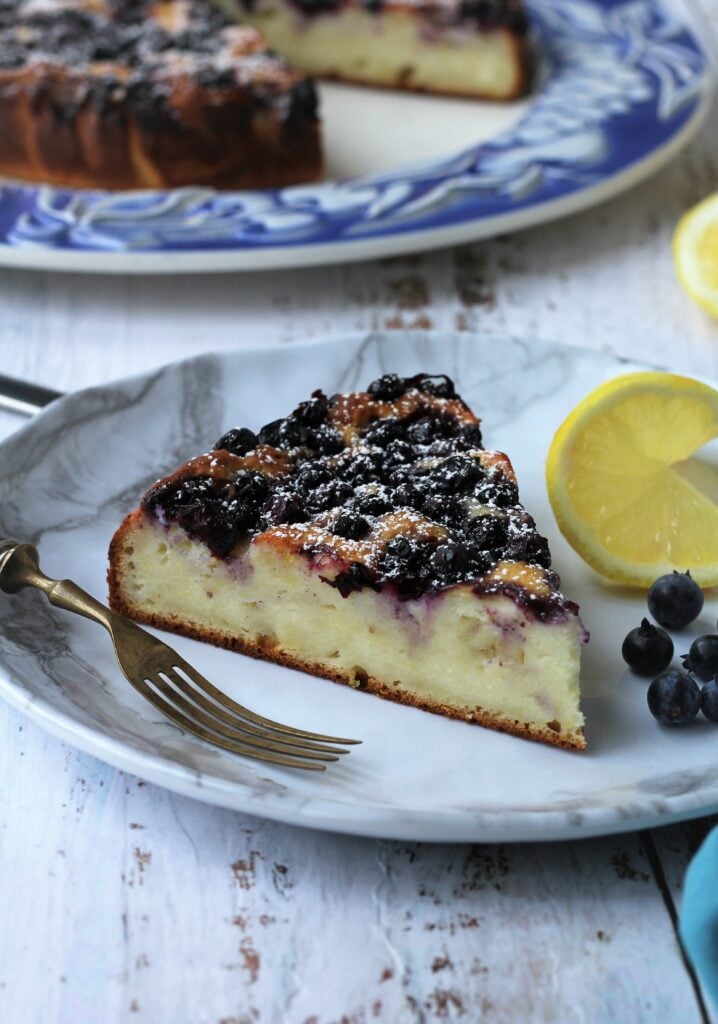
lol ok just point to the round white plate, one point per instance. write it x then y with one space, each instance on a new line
621 86
67 479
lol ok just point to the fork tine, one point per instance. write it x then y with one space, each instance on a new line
232 705
235 747
198 697
229 732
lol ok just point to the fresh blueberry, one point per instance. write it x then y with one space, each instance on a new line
675 600
647 649
237 442
709 700
702 659
386 388
674 698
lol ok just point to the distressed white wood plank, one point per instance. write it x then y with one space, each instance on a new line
130 903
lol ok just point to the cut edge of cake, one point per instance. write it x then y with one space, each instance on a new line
141 549
442 49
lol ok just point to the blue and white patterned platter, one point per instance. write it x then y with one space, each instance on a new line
622 85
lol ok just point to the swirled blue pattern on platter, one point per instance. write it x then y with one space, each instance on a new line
619 80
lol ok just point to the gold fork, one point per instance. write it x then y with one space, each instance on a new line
170 683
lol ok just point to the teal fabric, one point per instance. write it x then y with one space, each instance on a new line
699 914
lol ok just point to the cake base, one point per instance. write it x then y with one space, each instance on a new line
481 659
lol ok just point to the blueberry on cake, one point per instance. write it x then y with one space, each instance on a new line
149 94
369 538
475 48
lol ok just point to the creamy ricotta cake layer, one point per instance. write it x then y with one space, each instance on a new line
475 48
143 94
370 538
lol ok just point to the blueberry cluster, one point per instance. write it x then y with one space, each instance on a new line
487 14
496 14
674 696
128 36
422 463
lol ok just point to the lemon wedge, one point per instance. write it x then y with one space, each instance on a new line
620 485
695 253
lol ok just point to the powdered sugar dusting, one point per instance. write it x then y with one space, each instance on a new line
390 487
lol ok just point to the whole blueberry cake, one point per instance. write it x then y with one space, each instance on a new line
370 538
475 48
149 94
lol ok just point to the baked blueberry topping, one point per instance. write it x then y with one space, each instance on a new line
436 384
356 577
451 559
387 388
429 507
304 102
350 525
456 475
330 495
237 442
372 504
495 14
284 508
383 432
126 57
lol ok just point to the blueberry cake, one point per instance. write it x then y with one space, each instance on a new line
475 48
370 538
142 94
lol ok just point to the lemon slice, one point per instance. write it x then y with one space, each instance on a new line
695 253
619 485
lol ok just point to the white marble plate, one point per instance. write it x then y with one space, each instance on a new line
621 86
67 478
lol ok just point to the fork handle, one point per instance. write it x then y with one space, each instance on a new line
20 568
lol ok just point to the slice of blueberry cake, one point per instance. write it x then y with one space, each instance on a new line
472 48
148 94
369 538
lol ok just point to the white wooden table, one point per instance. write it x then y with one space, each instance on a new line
122 902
